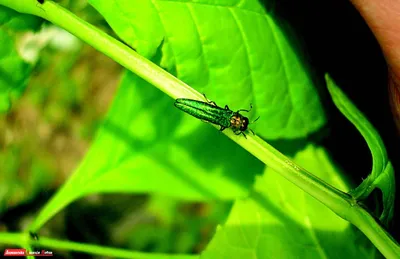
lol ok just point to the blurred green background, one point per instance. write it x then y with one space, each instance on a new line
48 131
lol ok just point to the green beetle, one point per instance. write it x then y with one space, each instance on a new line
209 111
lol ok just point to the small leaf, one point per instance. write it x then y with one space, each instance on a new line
233 51
279 220
382 175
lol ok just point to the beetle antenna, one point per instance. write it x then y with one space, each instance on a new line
244 110
255 120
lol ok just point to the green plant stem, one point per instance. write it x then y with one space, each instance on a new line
376 234
106 44
21 239
339 202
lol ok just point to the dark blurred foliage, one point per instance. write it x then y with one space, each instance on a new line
336 40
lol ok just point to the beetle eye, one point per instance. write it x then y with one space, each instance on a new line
244 125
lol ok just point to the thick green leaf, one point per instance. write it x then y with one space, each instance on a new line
142 147
279 220
145 146
234 51
382 175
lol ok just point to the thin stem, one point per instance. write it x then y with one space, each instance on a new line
339 202
21 239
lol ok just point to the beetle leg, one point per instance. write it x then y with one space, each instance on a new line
244 110
251 131
209 101
238 132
